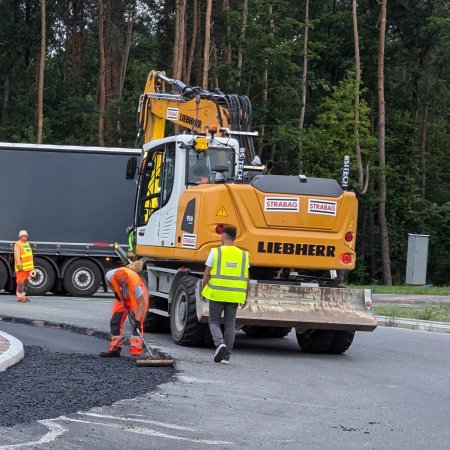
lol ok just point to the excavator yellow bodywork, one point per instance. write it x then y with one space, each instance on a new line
295 228
289 232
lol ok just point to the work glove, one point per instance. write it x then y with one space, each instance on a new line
20 268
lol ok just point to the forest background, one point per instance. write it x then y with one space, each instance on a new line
325 78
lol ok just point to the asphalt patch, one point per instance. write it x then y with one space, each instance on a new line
48 384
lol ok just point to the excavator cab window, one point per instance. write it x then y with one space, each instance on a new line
149 186
201 165
157 176
168 174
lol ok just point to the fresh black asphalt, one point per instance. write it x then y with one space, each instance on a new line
49 383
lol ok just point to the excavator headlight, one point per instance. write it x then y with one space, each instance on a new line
201 144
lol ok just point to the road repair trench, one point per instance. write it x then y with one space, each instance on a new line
49 383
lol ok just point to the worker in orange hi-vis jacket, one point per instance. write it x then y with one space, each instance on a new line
131 293
23 265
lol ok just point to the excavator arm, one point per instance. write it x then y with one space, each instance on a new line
196 109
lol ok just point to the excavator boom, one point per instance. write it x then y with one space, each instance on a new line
191 107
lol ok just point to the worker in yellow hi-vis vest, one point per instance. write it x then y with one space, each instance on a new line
23 264
225 285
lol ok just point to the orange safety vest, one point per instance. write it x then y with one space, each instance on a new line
26 256
134 280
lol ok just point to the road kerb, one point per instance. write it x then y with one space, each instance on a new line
13 354
414 324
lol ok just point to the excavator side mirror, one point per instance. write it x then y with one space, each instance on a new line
131 168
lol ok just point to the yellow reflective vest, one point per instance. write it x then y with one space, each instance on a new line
26 256
229 275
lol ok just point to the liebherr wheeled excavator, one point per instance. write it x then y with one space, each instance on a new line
191 185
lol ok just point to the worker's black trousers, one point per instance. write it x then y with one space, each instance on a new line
215 318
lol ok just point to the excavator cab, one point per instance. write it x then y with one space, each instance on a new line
169 167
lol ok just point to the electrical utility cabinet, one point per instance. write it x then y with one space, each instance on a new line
416 265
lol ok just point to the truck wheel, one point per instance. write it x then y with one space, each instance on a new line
82 278
316 341
3 275
184 325
44 279
154 323
266 332
342 341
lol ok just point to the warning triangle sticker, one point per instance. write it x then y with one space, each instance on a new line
222 212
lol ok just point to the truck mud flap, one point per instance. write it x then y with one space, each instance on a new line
301 307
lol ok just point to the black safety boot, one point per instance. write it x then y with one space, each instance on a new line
114 353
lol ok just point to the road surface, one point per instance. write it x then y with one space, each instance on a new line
390 390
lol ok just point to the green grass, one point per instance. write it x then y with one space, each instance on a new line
431 311
413 290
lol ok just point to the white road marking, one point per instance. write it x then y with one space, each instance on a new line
148 421
148 432
55 431
186 379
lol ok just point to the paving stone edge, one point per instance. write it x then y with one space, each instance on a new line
13 354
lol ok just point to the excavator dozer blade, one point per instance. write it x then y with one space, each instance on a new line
302 307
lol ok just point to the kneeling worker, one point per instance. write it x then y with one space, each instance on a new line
225 285
130 291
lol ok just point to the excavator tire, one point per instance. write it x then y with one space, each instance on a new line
184 325
316 341
266 332
342 341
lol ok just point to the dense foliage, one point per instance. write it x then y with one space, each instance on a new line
140 35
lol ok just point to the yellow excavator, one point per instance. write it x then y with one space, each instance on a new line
300 231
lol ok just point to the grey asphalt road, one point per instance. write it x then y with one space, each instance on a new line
390 391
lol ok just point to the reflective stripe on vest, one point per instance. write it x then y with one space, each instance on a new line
229 275
26 257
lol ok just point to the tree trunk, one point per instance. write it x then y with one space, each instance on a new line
102 73
123 70
265 93
362 234
180 39
362 183
40 99
423 149
227 46
76 43
385 252
303 92
207 47
215 64
195 31
240 60
6 95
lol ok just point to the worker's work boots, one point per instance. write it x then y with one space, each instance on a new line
114 353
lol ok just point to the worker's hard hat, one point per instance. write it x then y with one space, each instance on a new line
121 275
23 233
